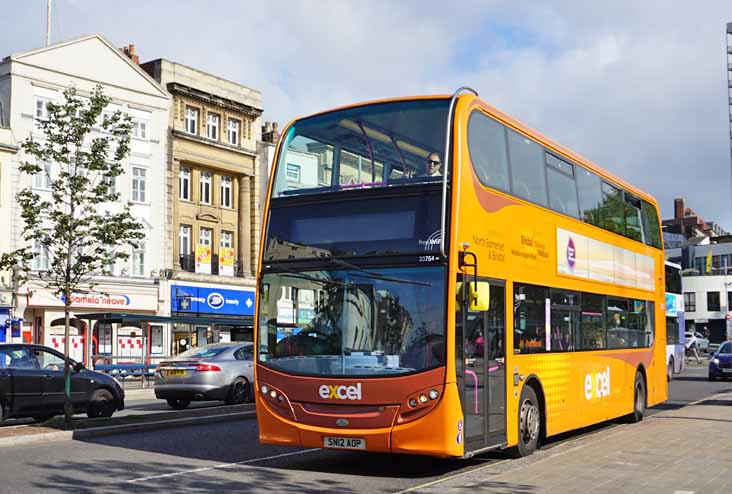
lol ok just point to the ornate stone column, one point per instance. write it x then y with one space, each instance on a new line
245 239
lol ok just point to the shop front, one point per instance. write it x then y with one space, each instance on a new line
232 308
95 340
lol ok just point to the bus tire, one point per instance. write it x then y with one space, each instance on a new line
639 399
670 370
529 423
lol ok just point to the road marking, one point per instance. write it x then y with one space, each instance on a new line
684 492
444 479
223 465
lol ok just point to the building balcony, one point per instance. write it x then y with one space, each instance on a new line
187 262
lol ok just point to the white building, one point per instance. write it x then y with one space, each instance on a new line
27 82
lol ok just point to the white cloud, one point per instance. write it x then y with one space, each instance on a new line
638 87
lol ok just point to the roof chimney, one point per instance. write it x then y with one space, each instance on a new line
130 52
678 208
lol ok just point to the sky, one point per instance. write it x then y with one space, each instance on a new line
640 88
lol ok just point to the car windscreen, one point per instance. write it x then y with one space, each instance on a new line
726 347
203 352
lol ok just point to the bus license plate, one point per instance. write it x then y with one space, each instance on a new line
344 443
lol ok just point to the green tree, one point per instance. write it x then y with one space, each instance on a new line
74 223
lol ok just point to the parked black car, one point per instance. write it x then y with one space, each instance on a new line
32 385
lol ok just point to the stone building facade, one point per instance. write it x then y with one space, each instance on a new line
212 185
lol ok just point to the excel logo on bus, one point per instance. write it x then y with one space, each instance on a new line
597 385
335 392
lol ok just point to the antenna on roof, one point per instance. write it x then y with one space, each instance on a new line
48 22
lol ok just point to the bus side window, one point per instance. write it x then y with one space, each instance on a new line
562 187
529 331
487 147
650 224
589 187
528 174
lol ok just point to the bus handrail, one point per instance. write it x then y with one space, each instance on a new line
443 214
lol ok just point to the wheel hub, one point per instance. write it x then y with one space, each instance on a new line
529 423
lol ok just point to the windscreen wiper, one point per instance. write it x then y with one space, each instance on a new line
302 276
376 276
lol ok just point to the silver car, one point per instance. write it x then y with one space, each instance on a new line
220 371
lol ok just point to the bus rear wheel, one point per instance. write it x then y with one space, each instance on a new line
529 423
670 370
639 399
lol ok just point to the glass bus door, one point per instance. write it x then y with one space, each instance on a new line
482 379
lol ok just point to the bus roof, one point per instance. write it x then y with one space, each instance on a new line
505 118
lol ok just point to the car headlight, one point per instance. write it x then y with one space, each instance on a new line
715 361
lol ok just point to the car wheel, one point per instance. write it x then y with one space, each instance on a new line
101 404
639 399
670 370
178 403
529 423
238 392
2 411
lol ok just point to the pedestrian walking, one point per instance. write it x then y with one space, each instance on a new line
691 348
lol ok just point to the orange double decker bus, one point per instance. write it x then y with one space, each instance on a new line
437 278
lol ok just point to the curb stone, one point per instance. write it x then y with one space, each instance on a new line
119 429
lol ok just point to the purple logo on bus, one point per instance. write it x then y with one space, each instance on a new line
571 253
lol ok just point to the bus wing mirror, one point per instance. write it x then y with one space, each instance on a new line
479 295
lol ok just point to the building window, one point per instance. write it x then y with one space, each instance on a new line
40 257
109 266
226 192
42 108
227 239
233 132
139 179
184 184
139 129
689 302
212 126
138 259
205 236
713 302
112 184
192 120
293 172
206 187
184 239
42 179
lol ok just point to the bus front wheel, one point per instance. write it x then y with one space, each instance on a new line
529 423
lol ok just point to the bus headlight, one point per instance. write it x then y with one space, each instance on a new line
434 394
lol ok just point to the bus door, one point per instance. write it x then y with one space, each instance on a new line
482 379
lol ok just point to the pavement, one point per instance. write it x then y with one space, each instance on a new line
681 450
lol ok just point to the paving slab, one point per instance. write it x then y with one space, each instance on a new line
667 452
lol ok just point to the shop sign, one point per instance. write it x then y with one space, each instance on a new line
226 261
203 259
211 300
107 301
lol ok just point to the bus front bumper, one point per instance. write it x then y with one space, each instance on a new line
439 433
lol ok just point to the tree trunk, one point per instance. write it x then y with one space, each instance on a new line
68 407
